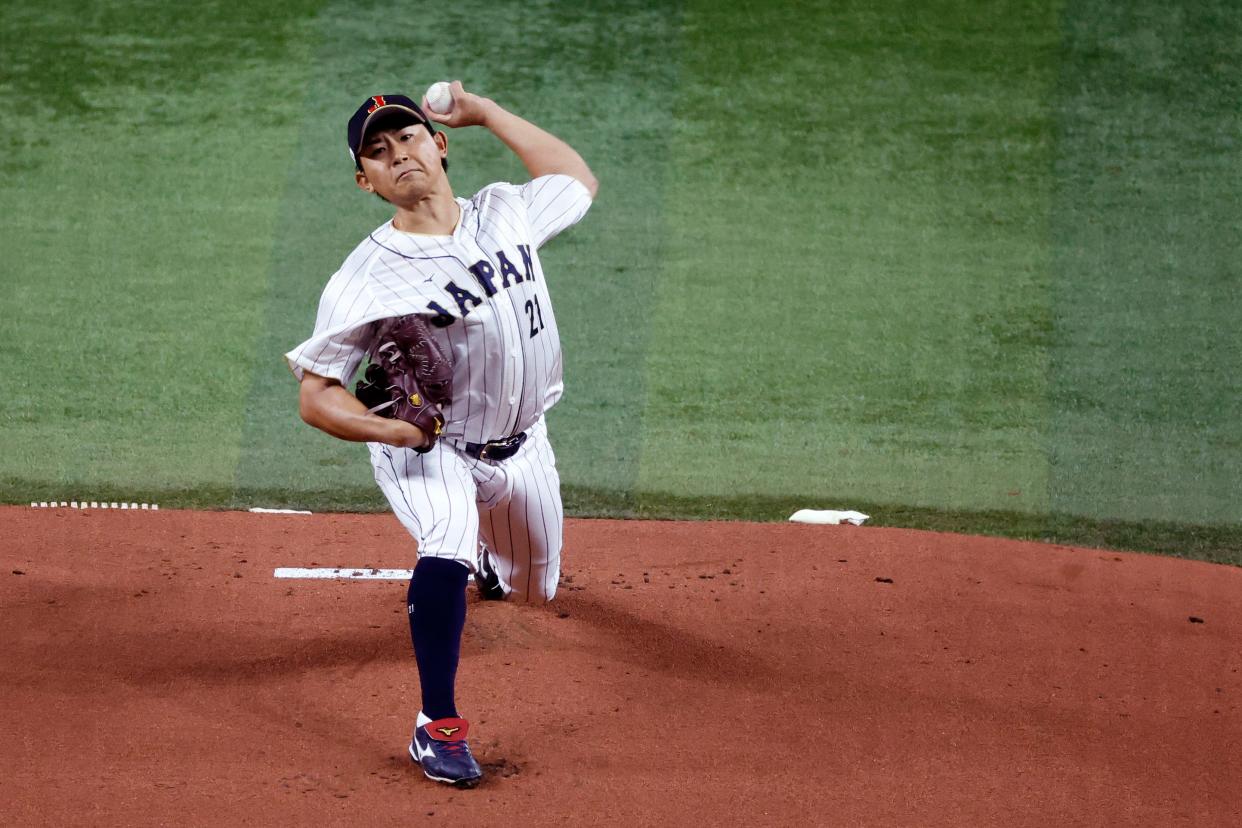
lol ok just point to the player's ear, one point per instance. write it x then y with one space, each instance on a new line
361 179
442 144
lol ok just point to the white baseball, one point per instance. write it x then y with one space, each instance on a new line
440 98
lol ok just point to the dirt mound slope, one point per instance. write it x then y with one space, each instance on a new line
709 673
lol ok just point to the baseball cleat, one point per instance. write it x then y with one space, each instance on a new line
487 579
440 748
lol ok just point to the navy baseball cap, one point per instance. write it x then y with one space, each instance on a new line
395 110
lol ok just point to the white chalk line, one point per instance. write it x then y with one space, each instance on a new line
130 505
348 574
93 504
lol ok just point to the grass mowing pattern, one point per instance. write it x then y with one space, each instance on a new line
1145 384
146 144
855 298
842 256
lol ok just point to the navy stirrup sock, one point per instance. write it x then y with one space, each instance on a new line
436 603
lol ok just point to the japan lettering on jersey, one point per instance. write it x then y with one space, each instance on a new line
482 287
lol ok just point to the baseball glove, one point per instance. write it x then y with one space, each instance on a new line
431 367
408 378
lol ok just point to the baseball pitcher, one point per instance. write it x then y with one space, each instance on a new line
448 304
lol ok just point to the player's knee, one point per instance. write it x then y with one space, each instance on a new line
535 595
542 594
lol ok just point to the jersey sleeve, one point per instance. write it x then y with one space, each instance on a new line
344 330
553 203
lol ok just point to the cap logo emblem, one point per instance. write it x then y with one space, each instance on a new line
376 102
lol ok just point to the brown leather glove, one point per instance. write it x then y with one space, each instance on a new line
390 388
432 369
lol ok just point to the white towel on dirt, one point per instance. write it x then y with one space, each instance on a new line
828 517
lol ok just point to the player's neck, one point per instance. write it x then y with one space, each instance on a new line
435 215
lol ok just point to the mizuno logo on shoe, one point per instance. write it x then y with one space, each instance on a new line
441 749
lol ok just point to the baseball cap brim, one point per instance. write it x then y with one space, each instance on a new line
392 116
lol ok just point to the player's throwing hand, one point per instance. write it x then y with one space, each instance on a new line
468 109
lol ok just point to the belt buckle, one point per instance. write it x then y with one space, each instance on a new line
506 446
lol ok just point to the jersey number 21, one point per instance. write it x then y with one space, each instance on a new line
536 316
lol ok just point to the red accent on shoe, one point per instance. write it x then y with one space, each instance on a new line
447 730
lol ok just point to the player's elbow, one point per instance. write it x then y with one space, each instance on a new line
590 182
307 410
309 399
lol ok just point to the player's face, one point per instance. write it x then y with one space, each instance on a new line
402 164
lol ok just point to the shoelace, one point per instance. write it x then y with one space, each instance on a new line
456 750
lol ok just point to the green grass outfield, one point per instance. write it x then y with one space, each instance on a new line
964 265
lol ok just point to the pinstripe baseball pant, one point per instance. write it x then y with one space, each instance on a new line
451 503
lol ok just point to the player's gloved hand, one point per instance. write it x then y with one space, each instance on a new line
469 109
390 386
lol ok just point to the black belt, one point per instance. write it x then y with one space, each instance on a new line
496 450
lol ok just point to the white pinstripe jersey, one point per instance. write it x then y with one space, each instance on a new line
484 288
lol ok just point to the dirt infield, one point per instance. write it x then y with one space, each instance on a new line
717 673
